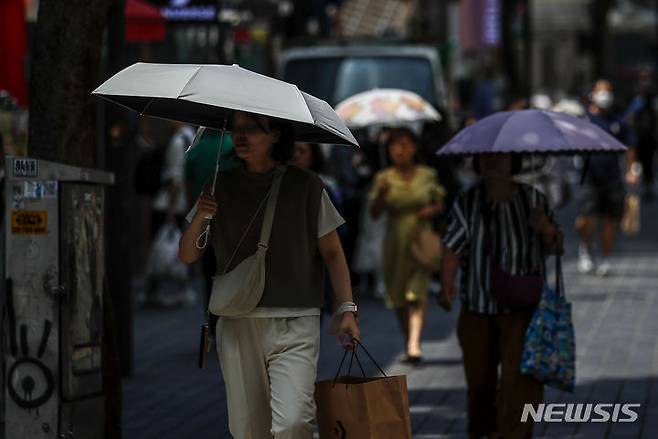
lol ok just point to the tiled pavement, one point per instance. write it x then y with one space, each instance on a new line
616 321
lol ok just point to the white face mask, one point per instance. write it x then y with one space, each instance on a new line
603 99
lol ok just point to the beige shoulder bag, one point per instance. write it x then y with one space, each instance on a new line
425 248
237 292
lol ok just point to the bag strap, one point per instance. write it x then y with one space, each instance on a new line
266 229
559 282
532 235
271 196
357 344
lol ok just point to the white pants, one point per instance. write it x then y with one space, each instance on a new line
269 367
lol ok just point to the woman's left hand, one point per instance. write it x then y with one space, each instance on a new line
349 329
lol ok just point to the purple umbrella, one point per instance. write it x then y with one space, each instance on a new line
531 131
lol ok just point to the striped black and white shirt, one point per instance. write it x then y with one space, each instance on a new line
518 249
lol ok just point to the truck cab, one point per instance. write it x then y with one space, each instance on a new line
334 73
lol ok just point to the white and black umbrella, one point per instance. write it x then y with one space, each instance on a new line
207 95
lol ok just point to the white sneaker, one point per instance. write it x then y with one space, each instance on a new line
604 268
585 262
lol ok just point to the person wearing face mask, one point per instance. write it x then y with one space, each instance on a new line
603 189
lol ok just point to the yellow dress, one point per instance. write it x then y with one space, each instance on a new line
405 280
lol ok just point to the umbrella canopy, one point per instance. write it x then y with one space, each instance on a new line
207 95
531 131
385 107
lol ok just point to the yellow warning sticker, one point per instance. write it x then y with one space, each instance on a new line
24 222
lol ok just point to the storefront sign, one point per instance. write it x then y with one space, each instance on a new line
491 34
188 10
479 24
25 168
24 222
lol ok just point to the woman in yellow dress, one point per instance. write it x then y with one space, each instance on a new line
410 195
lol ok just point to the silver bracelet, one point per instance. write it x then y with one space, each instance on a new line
346 307
335 319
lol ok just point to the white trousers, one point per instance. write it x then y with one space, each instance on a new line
269 367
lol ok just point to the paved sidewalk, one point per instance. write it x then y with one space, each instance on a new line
617 346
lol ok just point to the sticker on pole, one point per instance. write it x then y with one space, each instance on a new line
25 222
25 168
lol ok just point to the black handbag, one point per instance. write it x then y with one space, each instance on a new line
515 291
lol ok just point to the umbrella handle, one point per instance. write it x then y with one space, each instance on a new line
219 154
202 240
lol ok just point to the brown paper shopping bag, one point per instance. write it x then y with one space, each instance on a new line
363 408
630 222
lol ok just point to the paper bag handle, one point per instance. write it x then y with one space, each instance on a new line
357 343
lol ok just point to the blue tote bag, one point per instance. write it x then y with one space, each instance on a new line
549 353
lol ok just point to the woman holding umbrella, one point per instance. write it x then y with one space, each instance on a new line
269 356
407 192
490 334
268 345
499 233
411 196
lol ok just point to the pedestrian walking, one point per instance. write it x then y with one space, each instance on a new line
170 203
603 189
643 113
498 224
168 210
309 156
410 195
268 357
268 290
352 172
371 111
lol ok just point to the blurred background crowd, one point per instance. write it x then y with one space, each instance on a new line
468 59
